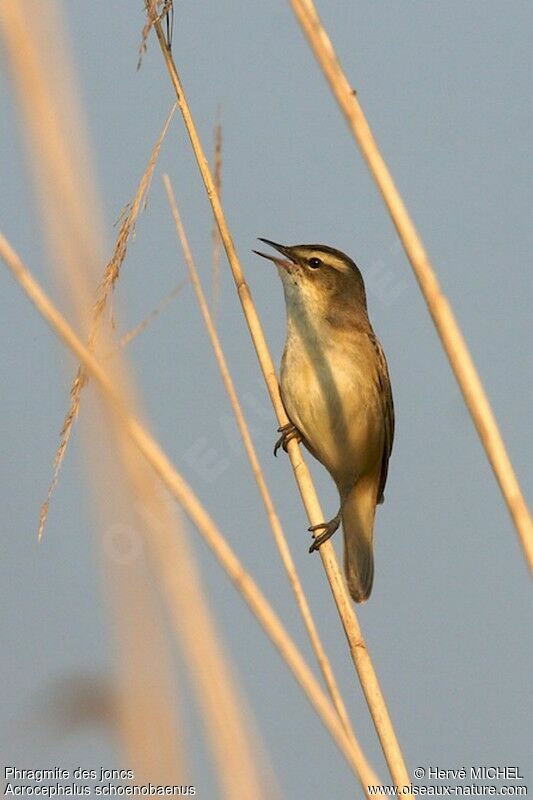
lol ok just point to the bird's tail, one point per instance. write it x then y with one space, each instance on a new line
358 514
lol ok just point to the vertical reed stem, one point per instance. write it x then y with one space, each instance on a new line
361 658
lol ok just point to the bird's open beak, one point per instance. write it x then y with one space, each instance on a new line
285 251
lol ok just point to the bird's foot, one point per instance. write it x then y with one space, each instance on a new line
288 432
328 529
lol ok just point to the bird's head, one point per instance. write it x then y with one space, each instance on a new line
319 279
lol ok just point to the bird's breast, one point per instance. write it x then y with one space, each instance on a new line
329 389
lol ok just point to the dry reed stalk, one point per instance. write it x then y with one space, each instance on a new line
215 236
275 524
44 78
439 308
179 489
358 650
130 335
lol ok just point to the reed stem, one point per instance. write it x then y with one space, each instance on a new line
358 650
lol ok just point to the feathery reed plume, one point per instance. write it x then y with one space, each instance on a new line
129 216
275 524
358 650
439 308
215 236
131 334
180 490
111 273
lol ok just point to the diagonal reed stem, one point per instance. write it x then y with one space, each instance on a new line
215 236
358 650
180 490
443 317
275 524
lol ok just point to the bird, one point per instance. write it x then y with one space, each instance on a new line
335 386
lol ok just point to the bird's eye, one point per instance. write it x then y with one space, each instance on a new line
315 263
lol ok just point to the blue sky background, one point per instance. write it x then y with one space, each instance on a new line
446 88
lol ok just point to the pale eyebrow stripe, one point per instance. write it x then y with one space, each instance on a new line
341 266
330 260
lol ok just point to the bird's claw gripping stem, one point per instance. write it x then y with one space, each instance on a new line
288 432
328 528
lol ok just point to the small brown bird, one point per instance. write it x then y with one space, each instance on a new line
336 390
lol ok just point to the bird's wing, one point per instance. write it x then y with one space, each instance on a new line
387 410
